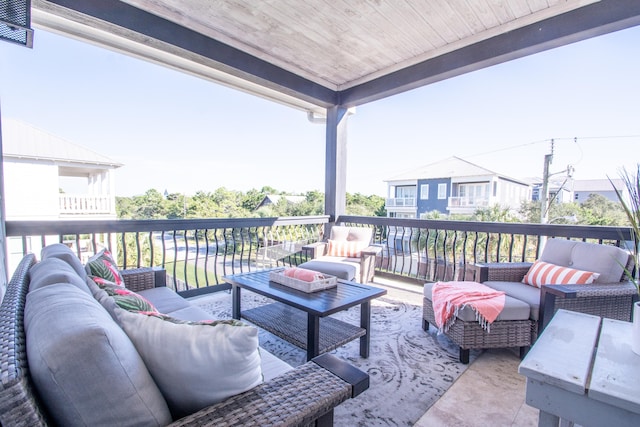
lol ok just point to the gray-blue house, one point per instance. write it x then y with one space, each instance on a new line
452 186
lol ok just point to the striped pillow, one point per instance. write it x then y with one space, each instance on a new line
544 273
345 248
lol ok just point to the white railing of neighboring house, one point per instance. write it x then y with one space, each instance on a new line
401 202
468 202
86 204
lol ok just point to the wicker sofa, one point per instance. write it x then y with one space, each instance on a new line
305 395
610 295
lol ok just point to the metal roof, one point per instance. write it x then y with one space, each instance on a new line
314 54
23 141
452 167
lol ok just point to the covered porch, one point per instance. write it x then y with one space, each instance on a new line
198 253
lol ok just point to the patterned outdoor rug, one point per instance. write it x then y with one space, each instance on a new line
409 368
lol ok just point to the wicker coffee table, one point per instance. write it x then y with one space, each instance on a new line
302 318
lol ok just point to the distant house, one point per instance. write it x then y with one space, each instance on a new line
49 178
582 189
579 190
452 186
273 199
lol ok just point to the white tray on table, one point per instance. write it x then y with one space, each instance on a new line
301 285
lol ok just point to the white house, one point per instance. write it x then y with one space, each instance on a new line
48 178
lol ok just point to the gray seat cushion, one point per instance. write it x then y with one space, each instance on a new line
84 366
527 293
165 299
342 268
514 309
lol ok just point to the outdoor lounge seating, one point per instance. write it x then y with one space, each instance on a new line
347 254
93 375
610 295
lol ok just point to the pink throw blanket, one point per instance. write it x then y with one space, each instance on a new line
449 297
303 274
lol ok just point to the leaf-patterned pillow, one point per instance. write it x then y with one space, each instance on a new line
230 322
127 299
103 265
102 283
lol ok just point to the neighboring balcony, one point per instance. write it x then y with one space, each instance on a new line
468 202
86 204
401 202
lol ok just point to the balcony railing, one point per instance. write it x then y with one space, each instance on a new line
197 254
401 202
468 202
73 204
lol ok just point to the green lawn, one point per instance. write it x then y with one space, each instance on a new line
192 271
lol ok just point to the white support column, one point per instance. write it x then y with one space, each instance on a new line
335 198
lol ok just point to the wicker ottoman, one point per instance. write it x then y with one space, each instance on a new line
512 328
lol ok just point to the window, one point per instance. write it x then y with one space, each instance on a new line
424 191
405 191
442 191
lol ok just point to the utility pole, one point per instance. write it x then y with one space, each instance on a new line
544 194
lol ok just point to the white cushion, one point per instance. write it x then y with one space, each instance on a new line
195 365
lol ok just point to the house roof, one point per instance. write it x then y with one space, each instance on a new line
451 167
270 199
21 140
313 54
597 185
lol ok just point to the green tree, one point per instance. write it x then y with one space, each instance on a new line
598 210
494 213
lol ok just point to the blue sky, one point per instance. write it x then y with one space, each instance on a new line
181 133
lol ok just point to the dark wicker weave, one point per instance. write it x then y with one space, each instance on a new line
18 402
138 279
290 324
302 396
296 398
470 335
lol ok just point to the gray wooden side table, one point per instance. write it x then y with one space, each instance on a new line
582 370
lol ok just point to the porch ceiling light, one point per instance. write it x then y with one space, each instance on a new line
15 22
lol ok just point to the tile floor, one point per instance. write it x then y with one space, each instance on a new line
489 393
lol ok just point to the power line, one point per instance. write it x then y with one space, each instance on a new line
573 138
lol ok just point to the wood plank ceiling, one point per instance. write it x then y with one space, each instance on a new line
342 43
318 53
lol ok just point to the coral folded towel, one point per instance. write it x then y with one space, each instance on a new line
303 274
450 297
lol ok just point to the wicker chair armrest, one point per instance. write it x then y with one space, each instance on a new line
371 250
501 271
138 279
297 397
315 250
591 290
612 300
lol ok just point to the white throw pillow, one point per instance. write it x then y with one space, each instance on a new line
195 364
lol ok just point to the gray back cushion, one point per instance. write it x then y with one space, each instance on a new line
607 260
360 234
63 252
84 366
54 270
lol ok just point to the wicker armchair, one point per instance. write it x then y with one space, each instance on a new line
305 395
344 267
611 299
611 295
